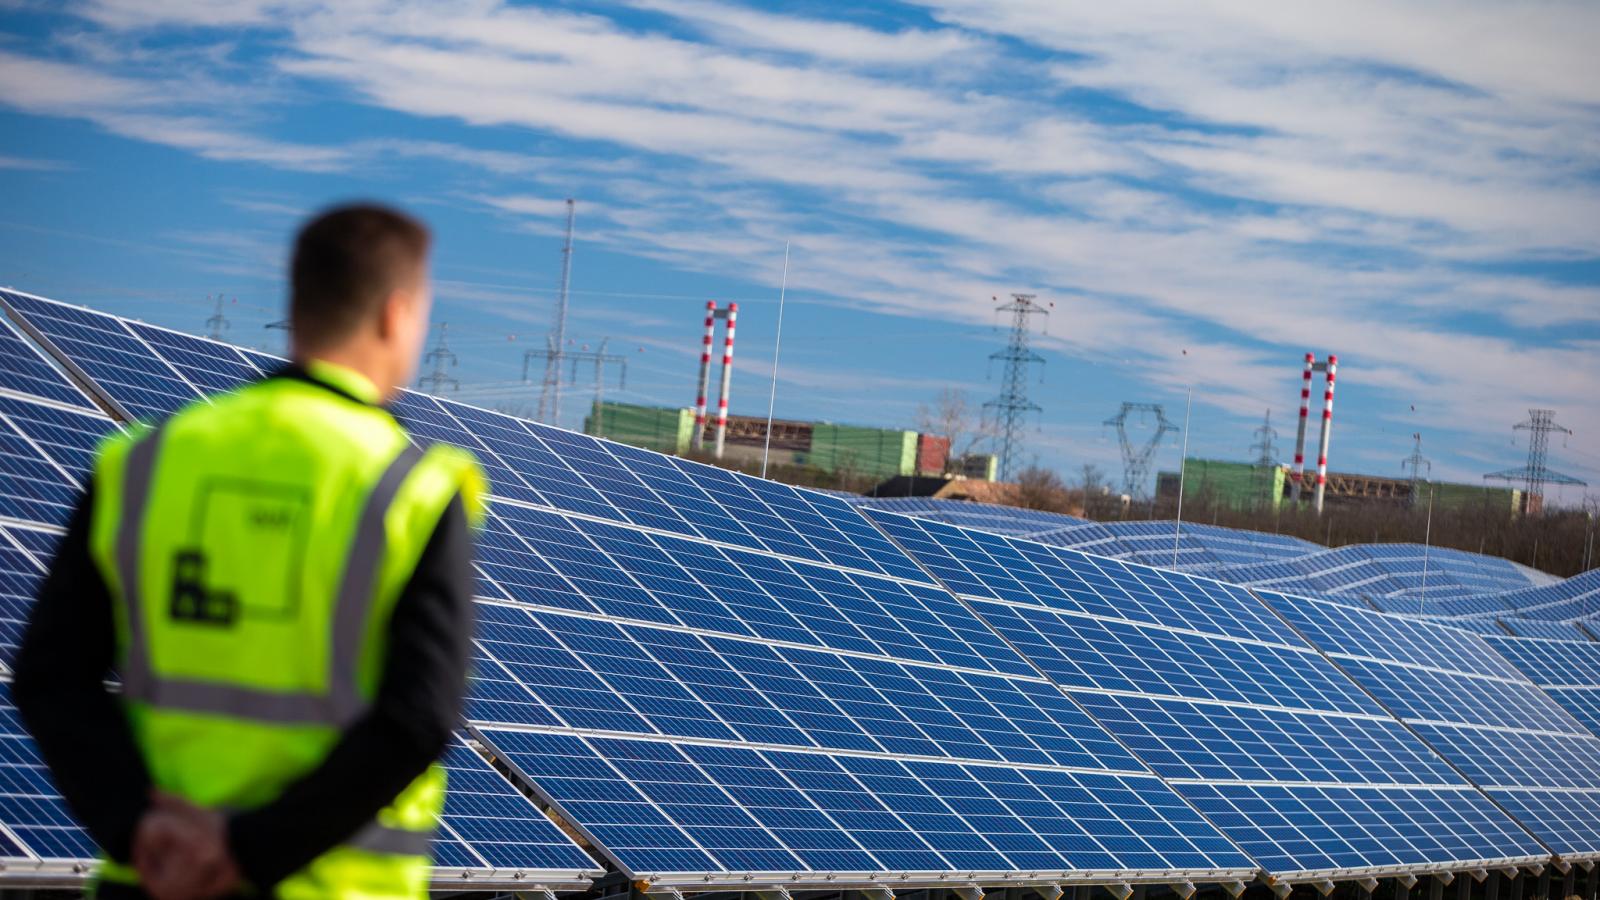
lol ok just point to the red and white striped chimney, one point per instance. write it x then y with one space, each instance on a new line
1327 427
699 439
727 378
1297 474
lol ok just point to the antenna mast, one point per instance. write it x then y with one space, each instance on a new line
550 395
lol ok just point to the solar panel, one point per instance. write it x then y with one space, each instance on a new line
1475 709
120 363
33 487
20 573
1567 670
39 832
211 366
488 825
1556 631
667 806
25 370
67 437
1217 695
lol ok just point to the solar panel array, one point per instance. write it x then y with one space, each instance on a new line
1200 547
1245 719
1403 578
1575 599
1475 709
716 679
489 833
727 609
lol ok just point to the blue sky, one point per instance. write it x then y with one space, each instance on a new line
1204 191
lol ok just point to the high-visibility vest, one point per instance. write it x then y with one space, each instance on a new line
256 546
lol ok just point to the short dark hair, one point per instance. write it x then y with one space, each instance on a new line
346 261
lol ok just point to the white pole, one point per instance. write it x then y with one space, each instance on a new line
777 345
1183 458
1427 539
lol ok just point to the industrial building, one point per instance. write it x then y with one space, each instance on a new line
868 453
1242 485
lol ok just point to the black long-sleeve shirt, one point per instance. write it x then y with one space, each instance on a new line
85 738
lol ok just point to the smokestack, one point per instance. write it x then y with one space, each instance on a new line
727 378
1327 426
698 442
1297 474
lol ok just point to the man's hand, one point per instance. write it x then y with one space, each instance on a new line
181 851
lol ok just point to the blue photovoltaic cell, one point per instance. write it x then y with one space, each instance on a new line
1556 631
19 582
108 352
208 365
30 805
1567 670
487 823
658 681
664 806
24 369
1475 709
1210 689
32 488
67 437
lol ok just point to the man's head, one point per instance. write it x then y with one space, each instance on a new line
359 292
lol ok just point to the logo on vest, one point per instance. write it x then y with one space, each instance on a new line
192 601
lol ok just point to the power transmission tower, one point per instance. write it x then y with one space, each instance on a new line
1416 463
1013 404
438 358
1535 475
1136 459
600 358
1265 447
550 396
1266 450
217 323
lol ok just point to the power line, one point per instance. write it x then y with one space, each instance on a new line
1013 404
1266 452
1536 474
600 358
438 358
217 323
1136 458
1416 462
1265 448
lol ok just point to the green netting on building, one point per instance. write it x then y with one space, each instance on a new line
869 452
651 427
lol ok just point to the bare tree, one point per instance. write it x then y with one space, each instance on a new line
953 416
1041 488
1094 487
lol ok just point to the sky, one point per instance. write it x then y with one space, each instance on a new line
1199 193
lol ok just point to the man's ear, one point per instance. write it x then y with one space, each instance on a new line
394 307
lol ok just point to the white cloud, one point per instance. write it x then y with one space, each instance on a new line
1296 174
817 39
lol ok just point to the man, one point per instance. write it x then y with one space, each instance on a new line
282 582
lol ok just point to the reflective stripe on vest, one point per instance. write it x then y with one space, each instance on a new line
343 701
376 838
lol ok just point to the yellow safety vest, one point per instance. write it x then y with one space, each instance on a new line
257 545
